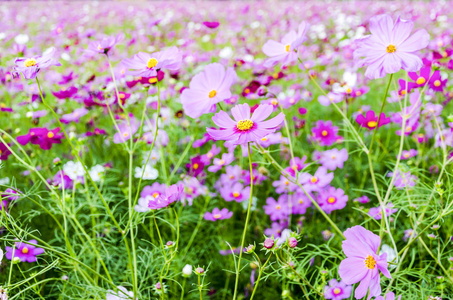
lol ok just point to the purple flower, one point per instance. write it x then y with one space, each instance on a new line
363 199
331 199
406 154
363 263
74 116
219 163
331 97
146 65
126 131
65 93
245 128
206 158
41 136
299 202
103 46
337 290
325 133
207 88
62 180
284 185
334 158
275 230
316 182
390 47
370 120
29 67
25 252
218 214
212 24
11 194
196 166
376 212
4 151
171 194
403 179
285 51
277 210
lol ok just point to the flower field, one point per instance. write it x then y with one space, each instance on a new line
226 150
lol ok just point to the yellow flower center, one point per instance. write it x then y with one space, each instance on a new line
286 182
278 207
391 48
324 133
336 291
403 92
437 83
156 194
349 90
30 62
420 80
122 96
212 93
331 200
333 157
50 135
314 179
370 263
406 155
152 62
372 124
25 250
217 216
247 90
126 134
236 194
301 201
221 162
99 47
275 75
287 48
195 166
358 93
244 125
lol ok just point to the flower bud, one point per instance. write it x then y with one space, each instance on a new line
199 271
292 242
269 243
187 270
249 249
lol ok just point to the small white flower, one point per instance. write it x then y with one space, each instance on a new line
73 170
97 172
149 174
391 255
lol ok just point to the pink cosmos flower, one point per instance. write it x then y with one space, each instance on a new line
285 51
103 46
29 67
331 199
235 192
325 133
334 158
376 212
316 182
390 47
207 88
126 131
146 65
277 210
74 116
337 290
363 263
211 24
25 252
299 202
218 214
370 120
219 163
245 128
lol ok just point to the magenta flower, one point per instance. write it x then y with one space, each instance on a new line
196 166
245 128
376 212
285 51
4 151
41 136
283 185
337 290
235 192
277 210
370 120
299 202
406 154
363 263
334 158
29 67
325 133
66 92
331 199
207 88
390 47
218 214
146 65
403 179
25 252
211 24
388 296
171 194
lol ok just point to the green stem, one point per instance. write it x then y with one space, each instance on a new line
241 249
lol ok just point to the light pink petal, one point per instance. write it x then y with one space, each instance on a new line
401 31
381 26
410 62
262 112
415 42
223 120
273 48
352 270
241 112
